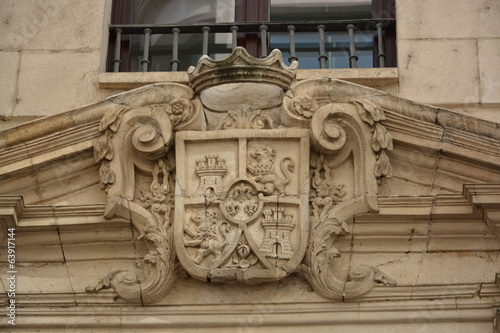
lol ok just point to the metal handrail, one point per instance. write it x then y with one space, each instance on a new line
264 28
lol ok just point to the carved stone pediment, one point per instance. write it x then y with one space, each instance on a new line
254 201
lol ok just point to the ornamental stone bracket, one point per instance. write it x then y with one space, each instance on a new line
245 176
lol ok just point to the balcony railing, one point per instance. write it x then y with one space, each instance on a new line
374 29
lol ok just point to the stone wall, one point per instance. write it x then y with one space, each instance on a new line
52 51
448 54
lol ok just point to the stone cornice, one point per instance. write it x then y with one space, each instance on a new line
15 213
98 314
397 106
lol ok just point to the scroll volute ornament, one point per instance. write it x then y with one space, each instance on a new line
343 132
138 134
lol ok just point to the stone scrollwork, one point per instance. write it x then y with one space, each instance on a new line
157 271
325 197
320 256
339 135
245 118
136 139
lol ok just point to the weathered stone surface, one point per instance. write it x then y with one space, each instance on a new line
488 51
447 19
52 82
52 25
435 64
8 82
458 267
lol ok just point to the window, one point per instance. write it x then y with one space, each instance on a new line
278 15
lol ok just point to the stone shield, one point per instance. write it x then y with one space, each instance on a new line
241 205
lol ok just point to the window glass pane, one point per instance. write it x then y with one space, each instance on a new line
303 10
190 45
336 43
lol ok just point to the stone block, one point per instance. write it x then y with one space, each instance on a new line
88 273
489 69
402 267
52 24
482 111
99 250
439 72
454 243
447 18
8 82
50 83
41 278
416 167
386 244
458 267
32 254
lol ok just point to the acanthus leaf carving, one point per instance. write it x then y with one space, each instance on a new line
372 114
137 139
245 118
319 260
157 271
325 198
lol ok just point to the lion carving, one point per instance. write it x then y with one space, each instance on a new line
264 172
210 236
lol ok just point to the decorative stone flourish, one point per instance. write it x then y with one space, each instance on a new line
180 109
325 196
319 259
157 270
372 114
304 106
245 118
137 138
325 193
103 150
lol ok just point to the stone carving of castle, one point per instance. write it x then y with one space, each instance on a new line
277 227
211 170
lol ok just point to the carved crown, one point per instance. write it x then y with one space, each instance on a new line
242 67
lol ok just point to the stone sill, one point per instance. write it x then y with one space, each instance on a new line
370 77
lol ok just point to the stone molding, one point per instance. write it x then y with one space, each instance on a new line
259 317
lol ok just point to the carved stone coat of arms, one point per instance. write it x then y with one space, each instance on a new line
241 207
244 176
